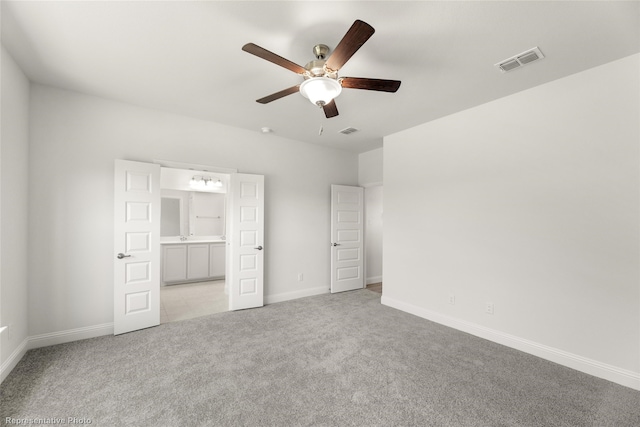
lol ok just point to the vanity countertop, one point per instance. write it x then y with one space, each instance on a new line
185 242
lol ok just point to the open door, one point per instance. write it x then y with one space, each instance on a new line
136 246
347 238
245 242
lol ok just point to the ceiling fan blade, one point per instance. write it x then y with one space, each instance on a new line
370 84
357 35
263 53
330 110
278 95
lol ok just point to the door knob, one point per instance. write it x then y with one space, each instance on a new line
336 244
121 255
258 248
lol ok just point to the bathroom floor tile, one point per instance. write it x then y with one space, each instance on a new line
189 300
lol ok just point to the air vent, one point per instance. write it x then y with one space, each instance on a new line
508 66
520 60
347 131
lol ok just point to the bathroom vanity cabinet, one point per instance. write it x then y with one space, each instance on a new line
192 262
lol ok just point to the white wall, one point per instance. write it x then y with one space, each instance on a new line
204 207
370 177
14 231
530 202
370 167
74 141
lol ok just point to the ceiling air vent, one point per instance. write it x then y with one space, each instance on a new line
347 131
520 60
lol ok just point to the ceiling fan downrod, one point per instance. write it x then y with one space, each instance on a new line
321 51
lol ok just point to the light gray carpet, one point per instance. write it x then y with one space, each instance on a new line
328 360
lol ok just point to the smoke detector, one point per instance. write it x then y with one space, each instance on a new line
520 60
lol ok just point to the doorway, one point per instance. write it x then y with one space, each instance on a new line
189 300
137 243
373 210
193 244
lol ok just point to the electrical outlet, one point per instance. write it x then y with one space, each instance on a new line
300 277
452 299
488 308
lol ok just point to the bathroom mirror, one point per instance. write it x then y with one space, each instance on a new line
192 213
170 217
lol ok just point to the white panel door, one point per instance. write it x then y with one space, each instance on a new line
136 243
347 238
246 241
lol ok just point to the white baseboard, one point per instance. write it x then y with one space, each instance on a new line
13 359
53 338
592 367
61 337
375 279
286 296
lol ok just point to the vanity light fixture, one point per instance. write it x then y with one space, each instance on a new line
200 182
204 182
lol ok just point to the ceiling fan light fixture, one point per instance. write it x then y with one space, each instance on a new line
320 90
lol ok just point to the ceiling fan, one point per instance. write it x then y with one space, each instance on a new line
321 83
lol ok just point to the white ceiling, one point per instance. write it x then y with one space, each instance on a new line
186 57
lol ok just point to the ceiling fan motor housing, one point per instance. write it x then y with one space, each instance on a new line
316 67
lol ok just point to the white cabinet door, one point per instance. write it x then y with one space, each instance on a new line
174 263
217 259
197 261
